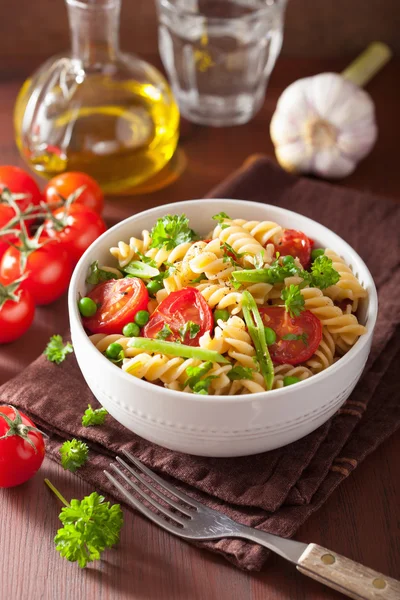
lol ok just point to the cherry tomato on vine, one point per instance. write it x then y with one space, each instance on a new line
179 309
18 182
48 269
67 183
118 301
78 226
22 447
17 310
297 338
296 244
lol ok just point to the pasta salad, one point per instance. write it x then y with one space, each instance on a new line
248 308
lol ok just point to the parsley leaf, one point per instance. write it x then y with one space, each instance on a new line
147 259
203 386
170 231
56 351
90 526
220 217
189 328
196 373
294 301
229 248
323 274
165 332
74 454
293 336
97 275
240 372
94 417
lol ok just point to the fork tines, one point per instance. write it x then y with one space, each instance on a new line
178 514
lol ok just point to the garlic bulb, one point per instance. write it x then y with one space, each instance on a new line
323 125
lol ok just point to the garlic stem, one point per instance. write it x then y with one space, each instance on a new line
368 63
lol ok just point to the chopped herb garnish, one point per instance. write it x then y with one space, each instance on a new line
74 454
97 275
170 231
196 373
292 336
220 217
293 299
229 248
203 386
199 278
94 417
165 332
240 372
191 329
56 351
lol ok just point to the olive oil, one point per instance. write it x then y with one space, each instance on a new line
119 132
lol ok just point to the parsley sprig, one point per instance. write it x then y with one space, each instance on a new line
97 275
56 351
221 216
74 454
322 274
92 417
293 300
240 372
89 527
170 231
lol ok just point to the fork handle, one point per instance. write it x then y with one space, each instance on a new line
347 576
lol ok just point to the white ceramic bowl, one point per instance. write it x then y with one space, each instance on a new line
219 425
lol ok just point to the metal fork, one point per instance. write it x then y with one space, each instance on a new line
191 520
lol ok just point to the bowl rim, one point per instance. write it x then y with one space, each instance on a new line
195 398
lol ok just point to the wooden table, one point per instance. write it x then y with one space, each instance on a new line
360 520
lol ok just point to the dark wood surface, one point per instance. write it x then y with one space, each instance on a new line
360 520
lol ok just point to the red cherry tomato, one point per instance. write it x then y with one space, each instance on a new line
18 182
295 243
179 308
296 338
67 183
16 315
49 271
81 226
21 451
118 300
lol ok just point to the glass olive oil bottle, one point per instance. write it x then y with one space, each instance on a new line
97 110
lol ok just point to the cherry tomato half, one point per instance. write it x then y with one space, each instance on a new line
178 309
49 271
296 244
296 338
16 316
118 301
18 182
67 183
22 452
81 226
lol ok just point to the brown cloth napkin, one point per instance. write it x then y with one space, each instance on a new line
275 491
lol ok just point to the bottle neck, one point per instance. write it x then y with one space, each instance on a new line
94 26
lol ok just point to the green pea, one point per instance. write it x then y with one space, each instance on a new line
317 252
142 317
87 307
114 350
290 380
131 330
287 260
270 336
153 287
221 314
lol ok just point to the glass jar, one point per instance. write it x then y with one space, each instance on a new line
96 109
